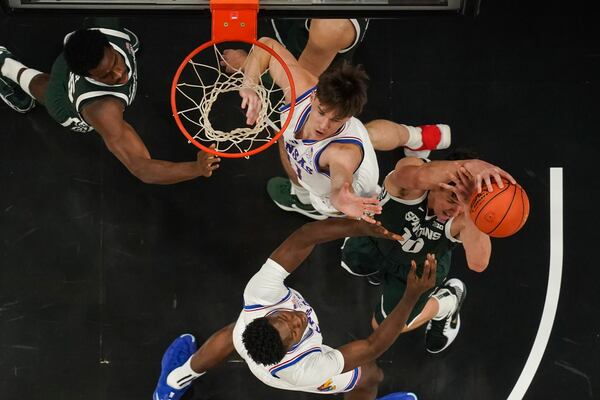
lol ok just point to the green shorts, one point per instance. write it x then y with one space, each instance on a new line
365 255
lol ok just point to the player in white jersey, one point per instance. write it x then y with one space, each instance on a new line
278 333
326 152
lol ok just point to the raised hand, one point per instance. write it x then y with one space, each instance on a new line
355 206
251 103
207 162
484 172
463 187
378 230
416 286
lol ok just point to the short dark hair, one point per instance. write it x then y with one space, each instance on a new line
84 50
343 88
462 153
263 343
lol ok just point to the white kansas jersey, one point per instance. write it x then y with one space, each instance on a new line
304 154
308 365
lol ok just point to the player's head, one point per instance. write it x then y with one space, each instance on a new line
443 202
267 339
88 53
341 93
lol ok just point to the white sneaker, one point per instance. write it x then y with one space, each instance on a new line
441 333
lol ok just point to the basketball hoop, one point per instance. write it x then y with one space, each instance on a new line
201 82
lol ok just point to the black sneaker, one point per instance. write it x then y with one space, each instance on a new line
441 333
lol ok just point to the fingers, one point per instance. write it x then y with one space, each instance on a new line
508 176
413 270
368 218
395 236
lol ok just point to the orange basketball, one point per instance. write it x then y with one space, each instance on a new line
502 212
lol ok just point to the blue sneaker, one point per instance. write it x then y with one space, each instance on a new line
177 353
399 396
10 92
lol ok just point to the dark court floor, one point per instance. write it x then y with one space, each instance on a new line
99 272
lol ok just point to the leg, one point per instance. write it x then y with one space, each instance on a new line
325 39
427 314
216 349
38 87
182 363
16 80
371 377
387 135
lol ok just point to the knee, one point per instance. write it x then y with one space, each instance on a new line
336 34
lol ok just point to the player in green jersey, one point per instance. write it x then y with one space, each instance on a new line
426 203
91 84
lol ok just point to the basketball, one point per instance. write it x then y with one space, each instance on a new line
502 212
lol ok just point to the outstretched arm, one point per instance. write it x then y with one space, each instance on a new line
256 63
296 248
106 116
360 352
414 174
342 160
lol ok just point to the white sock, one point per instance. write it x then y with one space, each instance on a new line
447 303
300 192
26 78
11 68
182 376
415 140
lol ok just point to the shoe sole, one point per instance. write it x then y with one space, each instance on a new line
450 342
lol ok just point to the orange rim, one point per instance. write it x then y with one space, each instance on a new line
199 145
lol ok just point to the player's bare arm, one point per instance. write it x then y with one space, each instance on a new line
341 160
257 62
106 116
296 248
414 174
360 352
477 245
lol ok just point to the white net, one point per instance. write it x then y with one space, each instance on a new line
212 117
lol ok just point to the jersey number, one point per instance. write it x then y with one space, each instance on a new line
411 245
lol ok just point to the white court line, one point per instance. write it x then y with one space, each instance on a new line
553 290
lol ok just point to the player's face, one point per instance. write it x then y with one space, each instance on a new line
112 69
444 204
290 325
322 122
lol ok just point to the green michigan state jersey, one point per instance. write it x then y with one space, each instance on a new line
421 232
68 93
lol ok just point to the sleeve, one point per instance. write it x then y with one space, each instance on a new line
448 231
315 368
266 287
